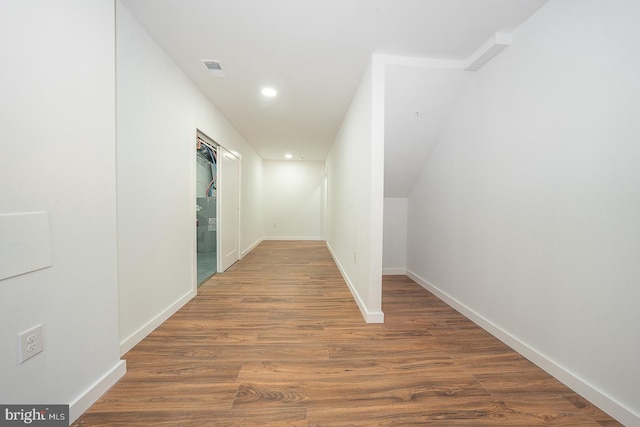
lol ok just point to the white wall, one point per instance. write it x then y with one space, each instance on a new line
526 215
57 127
394 249
251 202
158 111
355 181
293 200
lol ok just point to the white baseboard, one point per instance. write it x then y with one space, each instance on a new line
374 317
252 247
592 394
369 316
392 271
128 343
293 238
93 393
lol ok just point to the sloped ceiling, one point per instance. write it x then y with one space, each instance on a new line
314 52
418 104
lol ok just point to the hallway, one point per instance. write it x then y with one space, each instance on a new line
278 340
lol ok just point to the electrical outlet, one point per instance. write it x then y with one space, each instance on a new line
30 343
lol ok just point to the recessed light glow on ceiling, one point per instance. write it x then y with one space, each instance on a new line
269 91
288 156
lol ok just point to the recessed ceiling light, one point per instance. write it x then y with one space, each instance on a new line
269 91
288 156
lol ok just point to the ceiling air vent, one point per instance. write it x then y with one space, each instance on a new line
213 67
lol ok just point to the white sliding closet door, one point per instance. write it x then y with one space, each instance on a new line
229 209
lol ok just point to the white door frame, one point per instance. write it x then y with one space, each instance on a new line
223 263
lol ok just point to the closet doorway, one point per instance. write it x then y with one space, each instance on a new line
206 208
217 208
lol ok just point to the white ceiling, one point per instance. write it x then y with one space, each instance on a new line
314 52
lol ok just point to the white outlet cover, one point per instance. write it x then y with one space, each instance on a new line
30 343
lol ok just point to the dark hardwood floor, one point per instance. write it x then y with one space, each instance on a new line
278 340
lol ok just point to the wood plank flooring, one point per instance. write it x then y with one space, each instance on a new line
277 340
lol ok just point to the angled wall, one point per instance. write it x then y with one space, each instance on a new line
526 214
